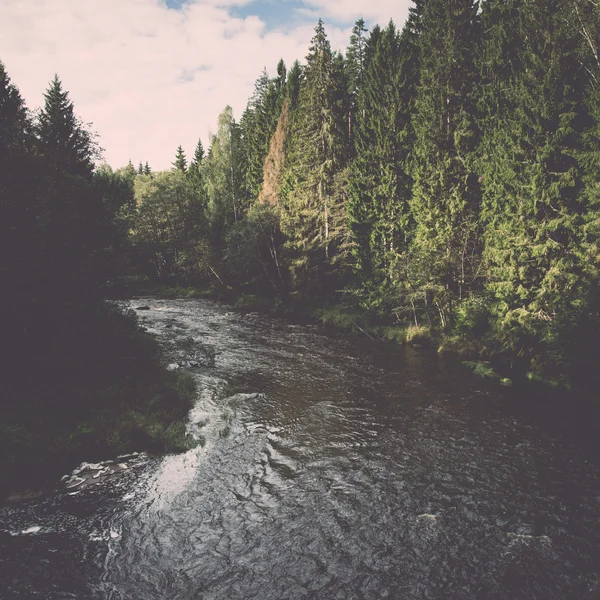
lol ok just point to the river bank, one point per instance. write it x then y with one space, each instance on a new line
481 358
105 393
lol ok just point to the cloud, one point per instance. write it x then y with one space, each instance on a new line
375 11
151 78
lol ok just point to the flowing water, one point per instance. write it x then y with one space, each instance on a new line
332 467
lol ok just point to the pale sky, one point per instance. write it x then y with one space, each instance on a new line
151 75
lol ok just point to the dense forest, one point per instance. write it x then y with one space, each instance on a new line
442 178
442 181
78 375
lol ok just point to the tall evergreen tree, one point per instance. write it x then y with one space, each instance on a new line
147 169
355 66
63 138
180 163
318 151
378 208
194 172
258 124
294 80
445 199
533 210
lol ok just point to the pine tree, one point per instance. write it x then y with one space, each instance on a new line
355 65
180 163
196 178
294 80
63 138
258 124
533 209
140 170
14 121
194 172
313 212
379 185
19 205
445 200
147 169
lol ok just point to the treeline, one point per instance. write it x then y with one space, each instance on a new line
77 374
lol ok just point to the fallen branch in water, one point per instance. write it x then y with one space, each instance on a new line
363 331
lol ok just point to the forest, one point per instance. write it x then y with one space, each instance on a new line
438 183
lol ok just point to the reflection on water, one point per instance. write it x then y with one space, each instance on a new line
331 467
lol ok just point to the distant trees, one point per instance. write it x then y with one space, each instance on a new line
180 163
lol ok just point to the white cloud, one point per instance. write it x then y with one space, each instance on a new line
151 78
374 11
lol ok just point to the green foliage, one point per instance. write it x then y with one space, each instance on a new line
418 335
379 187
533 207
445 193
180 163
66 143
313 217
482 369
170 227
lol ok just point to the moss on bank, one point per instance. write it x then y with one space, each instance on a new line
101 393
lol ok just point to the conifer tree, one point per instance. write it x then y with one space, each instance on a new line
258 125
180 163
379 185
13 113
294 80
533 210
147 169
18 212
194 172
355 64
445 200
63 138
140 169
196 177
318 150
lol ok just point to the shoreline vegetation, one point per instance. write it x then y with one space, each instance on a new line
469 352
111 396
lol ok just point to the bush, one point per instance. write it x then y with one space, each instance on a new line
418 335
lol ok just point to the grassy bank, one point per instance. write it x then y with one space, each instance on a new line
96 391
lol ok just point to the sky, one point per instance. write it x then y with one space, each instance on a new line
150 75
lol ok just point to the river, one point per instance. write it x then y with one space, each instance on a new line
331 467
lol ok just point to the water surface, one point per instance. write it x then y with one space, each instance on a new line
332 467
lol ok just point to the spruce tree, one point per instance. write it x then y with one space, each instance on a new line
140 169
313 211
180 163
533 204
147 169
378 208
63 138
445 199
355 64
294 80
196 177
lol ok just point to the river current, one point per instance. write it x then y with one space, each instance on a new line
331 467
